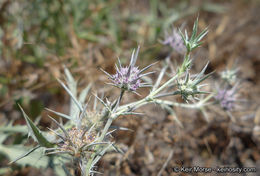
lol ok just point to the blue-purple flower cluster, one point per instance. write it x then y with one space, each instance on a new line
175 41
226 98
129 77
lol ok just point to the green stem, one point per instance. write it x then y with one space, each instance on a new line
184 64
152 94
147 99
108 124
116 104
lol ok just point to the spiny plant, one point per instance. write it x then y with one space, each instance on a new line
85 137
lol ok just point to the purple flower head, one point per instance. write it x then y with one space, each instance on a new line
129 77
226 98
175 41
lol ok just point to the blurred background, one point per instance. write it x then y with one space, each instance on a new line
39 37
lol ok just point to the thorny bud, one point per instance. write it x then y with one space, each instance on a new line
190 87
175 41
129 77
187 88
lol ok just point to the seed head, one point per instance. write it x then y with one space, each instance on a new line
186 88
76 140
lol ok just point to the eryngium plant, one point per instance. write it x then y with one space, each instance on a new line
85 138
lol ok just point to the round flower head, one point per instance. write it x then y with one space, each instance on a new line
126 79
175 41
226 98
129 77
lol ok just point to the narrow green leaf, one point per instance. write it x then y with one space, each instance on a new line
202 71
194 30
34 132
182 36
202 34
202 79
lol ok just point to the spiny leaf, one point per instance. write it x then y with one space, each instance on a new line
26 154
34 159
202 34
35 132
59 114
69 76
84 93
202 79
147 67
72 87
106 106
117 149
60 126
195 29
71 95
